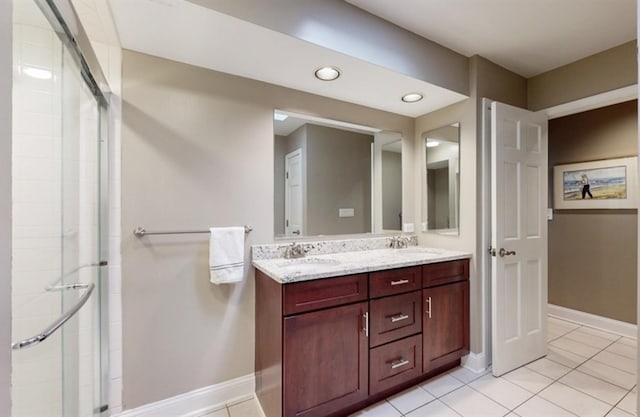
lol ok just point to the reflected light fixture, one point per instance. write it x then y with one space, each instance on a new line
412 97
39 73
327 73
432 143
280 117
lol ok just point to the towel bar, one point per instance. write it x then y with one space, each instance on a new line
141 231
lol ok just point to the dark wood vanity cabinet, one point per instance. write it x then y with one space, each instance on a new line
446 313
326 360
312 348
328 347
446 324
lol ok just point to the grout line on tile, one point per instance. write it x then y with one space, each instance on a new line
501 405
564 350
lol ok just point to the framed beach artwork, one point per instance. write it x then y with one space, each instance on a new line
606 184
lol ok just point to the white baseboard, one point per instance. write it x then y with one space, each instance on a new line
200 401
475 362
587 319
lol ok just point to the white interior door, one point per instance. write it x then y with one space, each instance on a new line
519 236
293 191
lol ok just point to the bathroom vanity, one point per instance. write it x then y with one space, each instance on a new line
337 332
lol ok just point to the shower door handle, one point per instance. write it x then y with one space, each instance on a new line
43 335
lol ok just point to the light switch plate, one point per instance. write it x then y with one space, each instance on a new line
346 212
424 227
549 214
407 227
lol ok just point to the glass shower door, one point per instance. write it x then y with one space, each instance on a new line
59 358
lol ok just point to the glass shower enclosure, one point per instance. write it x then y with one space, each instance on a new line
59 269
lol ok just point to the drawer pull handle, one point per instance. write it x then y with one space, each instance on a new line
429 307
399 317
400 282
366 324
399 363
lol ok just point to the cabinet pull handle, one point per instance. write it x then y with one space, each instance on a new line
429 307
366 323
399 317
399 363
400 282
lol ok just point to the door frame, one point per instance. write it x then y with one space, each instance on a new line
483 258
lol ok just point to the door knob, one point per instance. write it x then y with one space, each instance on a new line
502 252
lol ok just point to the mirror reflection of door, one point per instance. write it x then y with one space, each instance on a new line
438 198
392 186
293 186
440 210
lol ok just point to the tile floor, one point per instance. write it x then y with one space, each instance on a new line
587 372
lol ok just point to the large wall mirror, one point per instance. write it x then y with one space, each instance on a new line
334 178
441 202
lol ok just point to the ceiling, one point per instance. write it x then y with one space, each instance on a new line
182 31
528 37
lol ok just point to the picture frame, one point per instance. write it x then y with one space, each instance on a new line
604 184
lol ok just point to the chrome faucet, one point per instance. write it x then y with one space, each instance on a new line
399 242
295 250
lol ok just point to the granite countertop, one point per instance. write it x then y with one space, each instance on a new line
318 266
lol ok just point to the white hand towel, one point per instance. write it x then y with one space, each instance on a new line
226 255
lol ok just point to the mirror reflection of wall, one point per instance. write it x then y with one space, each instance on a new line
442 179
322 177
392 186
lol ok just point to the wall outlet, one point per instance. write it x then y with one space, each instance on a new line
346 212
407 227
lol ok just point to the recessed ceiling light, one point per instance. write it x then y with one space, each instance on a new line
412 97
327 73
432 143
280 117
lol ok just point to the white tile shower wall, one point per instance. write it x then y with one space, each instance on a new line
36 372
39 207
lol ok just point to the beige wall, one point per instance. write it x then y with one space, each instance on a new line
338 176
491 81
609 70
463 112
593 253
198 151
6 80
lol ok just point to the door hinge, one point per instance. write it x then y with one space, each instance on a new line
287 223
287 175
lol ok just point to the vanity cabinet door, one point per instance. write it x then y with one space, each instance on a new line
445 324
325 360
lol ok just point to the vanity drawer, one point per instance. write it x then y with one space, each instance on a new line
395 363
395 317
395 281
320 293
445 272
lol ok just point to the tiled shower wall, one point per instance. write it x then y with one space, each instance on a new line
38 177
36 372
